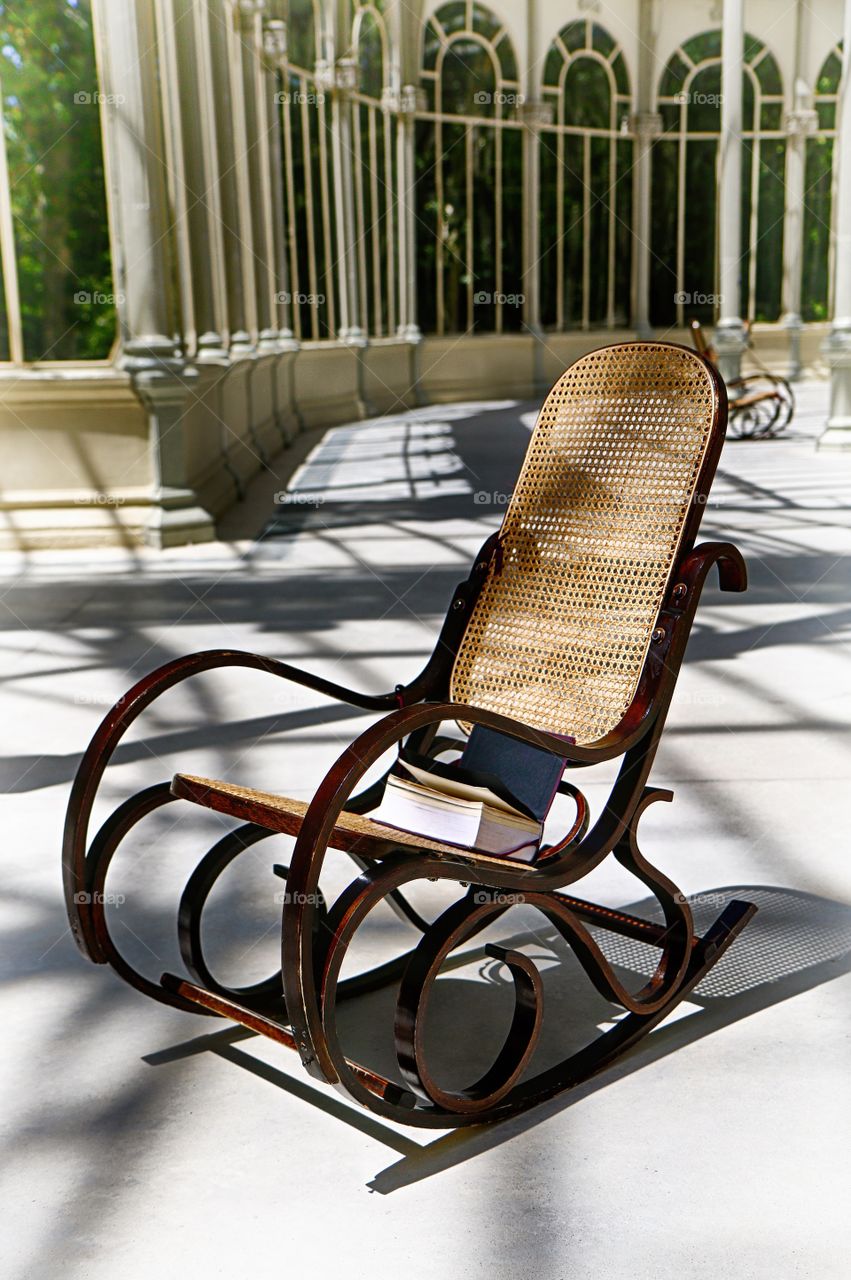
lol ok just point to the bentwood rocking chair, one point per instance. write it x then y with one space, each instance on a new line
760 405
568 633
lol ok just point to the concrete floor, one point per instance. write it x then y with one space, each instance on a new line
139 1141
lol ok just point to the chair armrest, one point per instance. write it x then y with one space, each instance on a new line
117 721
732 570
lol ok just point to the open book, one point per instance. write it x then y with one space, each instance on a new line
457 812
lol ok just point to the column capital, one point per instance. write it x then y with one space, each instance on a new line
323 75
800 123
411 100
645 125
535 114
243 12
346 75
248 8
340 77
275 41
403 102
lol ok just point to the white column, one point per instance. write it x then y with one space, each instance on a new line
143 257
534 115
259 97
403 25
646 126
233 138
138 206
800 124
729 333
341 80
837 349
208 245
801 121
406 177
276 53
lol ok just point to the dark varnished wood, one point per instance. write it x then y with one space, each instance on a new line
297 1006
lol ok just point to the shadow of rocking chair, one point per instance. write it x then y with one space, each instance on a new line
568 634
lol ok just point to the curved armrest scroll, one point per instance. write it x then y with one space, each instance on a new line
118 720
732 570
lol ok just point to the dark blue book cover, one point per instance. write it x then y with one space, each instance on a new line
530 774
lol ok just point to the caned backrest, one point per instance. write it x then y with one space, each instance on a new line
560 632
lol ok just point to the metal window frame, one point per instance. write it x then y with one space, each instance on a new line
683 137
620 104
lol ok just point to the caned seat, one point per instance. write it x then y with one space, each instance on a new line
353 832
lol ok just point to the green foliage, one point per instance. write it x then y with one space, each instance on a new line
51 120
817 213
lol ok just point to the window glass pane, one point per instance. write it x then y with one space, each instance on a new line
425 204
830 75
5 354
468 82
699 267
769 265
370 58
747 247
431 48
553 65
452 17
484 22
572 243
671 115
772 115
768 74
707 45
598 214
621 76
601 41
672 77
51 119
817 214
573 36
483 249
507 61
512 243
587 94
704 101
452 232
748 96
547 225
826 115
663 276
301 37
623 231
752 47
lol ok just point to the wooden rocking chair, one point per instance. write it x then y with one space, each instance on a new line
760 405
568 634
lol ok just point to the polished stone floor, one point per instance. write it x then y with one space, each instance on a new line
139 1141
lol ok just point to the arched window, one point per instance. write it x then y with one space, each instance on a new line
685 186
818 191
56 292
374 175
308 178
586 184
469 164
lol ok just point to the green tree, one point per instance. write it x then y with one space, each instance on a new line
51 120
